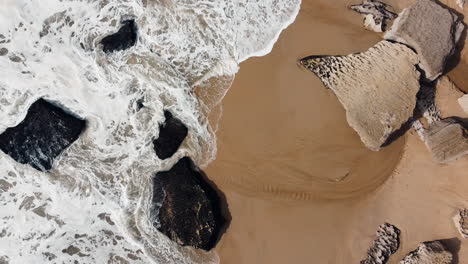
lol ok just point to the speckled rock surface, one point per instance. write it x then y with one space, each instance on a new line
186 208
377 88
387 243
461 222
432 30
44 133
429 253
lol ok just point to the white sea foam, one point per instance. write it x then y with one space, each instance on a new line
53 52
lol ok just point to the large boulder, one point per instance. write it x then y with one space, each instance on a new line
186 208
461 222
429 253
377 88
44 133
432 30
376 14
386 244
125 38
447 139
171 135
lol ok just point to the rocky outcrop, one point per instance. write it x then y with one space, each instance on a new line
461 222
45 132
186 208
432 30
171 135
386 244
429 253
125 38
377 88
447 139
463 101
376 14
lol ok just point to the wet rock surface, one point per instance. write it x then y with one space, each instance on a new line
461 222
45 132
386 244
186 208
376 14
171 135
377 88
432 30
447 139
429 253
125 38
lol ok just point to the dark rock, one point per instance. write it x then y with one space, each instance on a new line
171 135
186 208
375 14
125 38
386 244
45 132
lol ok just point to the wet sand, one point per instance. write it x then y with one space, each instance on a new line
300 185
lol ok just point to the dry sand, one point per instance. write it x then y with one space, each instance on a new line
300 185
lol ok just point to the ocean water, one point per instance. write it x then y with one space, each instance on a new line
93 207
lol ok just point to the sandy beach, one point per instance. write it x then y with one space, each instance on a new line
300 185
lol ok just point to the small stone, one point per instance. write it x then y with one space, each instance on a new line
461 3
432 30
447 139
386 244
463 101
125 38
3 51
45 132
185 207
171 135
429 253
461 222
377 88
375 14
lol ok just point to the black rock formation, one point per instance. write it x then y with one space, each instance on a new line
186 208
386 244
45 132
171 135
125 38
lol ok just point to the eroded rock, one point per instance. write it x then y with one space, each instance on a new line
429 253
461 222
377 88
186 208
44 133
463 101
125 38
432 30
171 135
386 244
376 14
447 139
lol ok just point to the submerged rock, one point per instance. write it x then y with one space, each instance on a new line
171 135
386 244
186 208
463 101
45 132
375 14
377 88
429 253
432 30
461 222
447 139
125 38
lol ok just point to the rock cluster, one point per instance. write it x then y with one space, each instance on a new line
376 14
186 208
124 38
386 244
461 222
429 253
44 133
171 135
377 88
447 139
432 30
